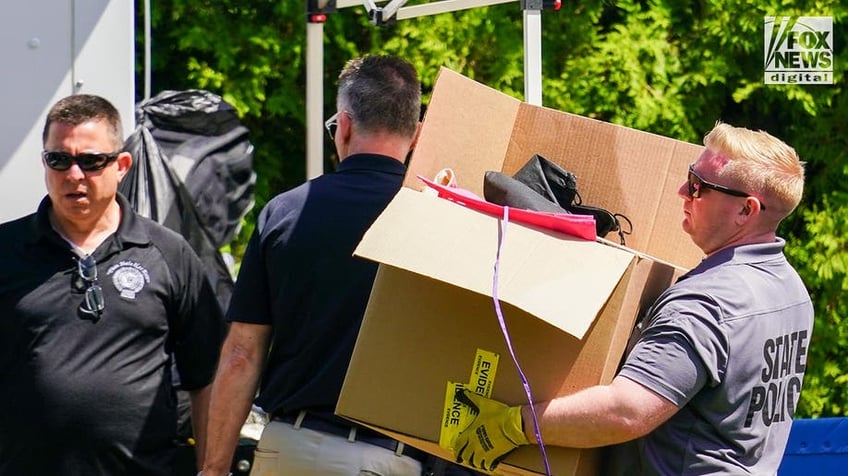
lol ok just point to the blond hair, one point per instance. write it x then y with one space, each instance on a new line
760 164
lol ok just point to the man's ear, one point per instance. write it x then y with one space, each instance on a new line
415 137
345 127
124 161
751 204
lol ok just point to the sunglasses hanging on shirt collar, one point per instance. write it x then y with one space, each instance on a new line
93 303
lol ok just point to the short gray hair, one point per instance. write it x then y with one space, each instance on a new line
381 93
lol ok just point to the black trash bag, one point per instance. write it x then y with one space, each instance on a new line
155 192
207 147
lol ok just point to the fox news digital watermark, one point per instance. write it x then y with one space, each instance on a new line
798 50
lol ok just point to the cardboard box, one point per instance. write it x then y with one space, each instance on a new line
472 128
569 304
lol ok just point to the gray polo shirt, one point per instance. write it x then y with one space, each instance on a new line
728 345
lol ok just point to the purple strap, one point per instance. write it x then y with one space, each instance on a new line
538 433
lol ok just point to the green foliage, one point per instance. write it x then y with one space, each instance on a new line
823 264
627 72
671 67
251 53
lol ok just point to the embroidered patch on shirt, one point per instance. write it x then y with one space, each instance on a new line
129 277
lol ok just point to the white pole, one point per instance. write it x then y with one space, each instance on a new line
147 40
533 57
314 99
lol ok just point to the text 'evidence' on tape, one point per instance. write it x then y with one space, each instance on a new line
456 416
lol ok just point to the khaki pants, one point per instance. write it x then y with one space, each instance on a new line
287 451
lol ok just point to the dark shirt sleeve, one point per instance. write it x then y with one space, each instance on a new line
199 324
250 299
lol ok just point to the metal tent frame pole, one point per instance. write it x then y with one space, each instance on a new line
395 9
314 100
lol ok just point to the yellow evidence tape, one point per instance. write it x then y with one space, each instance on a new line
456 416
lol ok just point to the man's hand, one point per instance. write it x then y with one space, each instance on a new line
495 430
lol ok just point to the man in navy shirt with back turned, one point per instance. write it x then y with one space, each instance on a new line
301 293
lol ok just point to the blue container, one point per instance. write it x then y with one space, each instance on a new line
816 446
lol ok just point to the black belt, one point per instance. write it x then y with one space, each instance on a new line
351 431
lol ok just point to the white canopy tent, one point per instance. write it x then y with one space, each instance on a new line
397 10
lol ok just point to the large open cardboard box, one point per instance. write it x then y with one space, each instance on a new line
569 304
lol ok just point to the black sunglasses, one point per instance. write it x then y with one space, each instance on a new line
332 124
695 183
93 304
62 161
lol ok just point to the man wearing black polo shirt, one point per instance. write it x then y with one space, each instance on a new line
302 294
95 302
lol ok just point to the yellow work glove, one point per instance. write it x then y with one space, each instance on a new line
495 430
